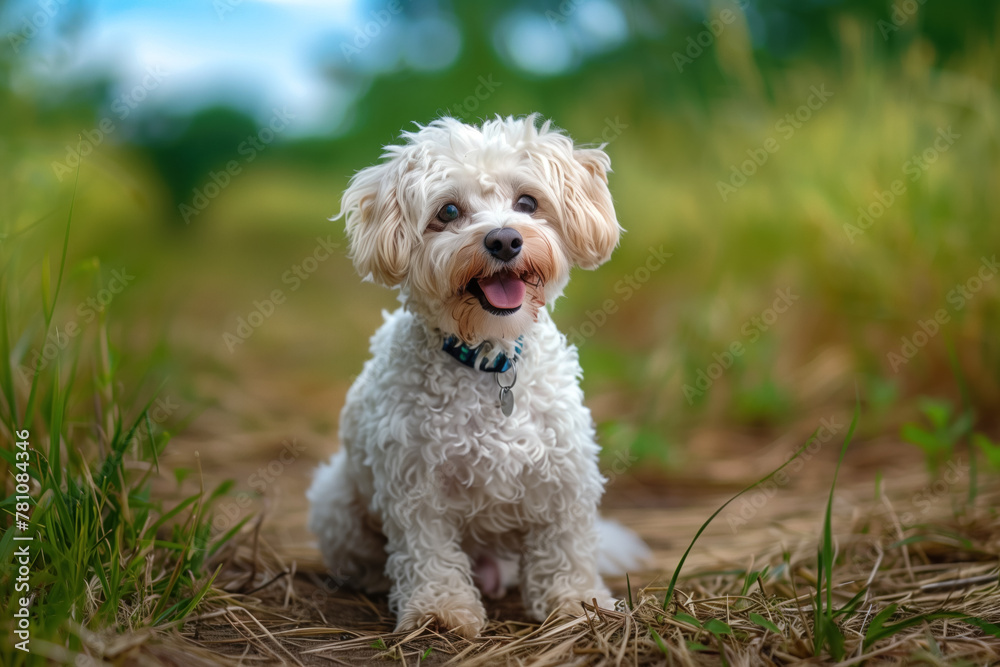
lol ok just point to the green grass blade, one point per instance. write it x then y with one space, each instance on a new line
717 627
659 640
687 618
228 535
6 376
879 630
828 518
875 627
28 410
200 594
55 419
764 623
171 514
852 604
680 564
827 633
985 626
65 249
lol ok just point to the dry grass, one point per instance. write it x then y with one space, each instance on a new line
272 609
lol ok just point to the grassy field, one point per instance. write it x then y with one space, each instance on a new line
811 240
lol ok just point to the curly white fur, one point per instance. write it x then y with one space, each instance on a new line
434 490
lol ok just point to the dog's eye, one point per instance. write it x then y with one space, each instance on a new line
448 213
525 204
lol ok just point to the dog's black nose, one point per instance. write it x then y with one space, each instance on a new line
504 243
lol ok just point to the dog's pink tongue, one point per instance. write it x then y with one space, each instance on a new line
503 290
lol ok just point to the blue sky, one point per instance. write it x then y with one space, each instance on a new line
260 52
267 54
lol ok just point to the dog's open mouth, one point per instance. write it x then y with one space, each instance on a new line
501 293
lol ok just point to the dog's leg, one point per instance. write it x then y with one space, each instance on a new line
432 576
352 548
560 565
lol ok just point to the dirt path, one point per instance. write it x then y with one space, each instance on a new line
269 435
271 417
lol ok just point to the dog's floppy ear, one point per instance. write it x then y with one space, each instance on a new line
592 229
381 242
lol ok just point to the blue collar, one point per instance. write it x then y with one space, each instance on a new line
457 348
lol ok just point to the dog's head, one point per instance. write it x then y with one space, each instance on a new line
479 226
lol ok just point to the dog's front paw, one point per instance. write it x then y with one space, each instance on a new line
462 618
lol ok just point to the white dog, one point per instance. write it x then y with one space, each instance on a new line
468 457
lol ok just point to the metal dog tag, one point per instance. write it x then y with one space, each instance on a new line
506 401
506 395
